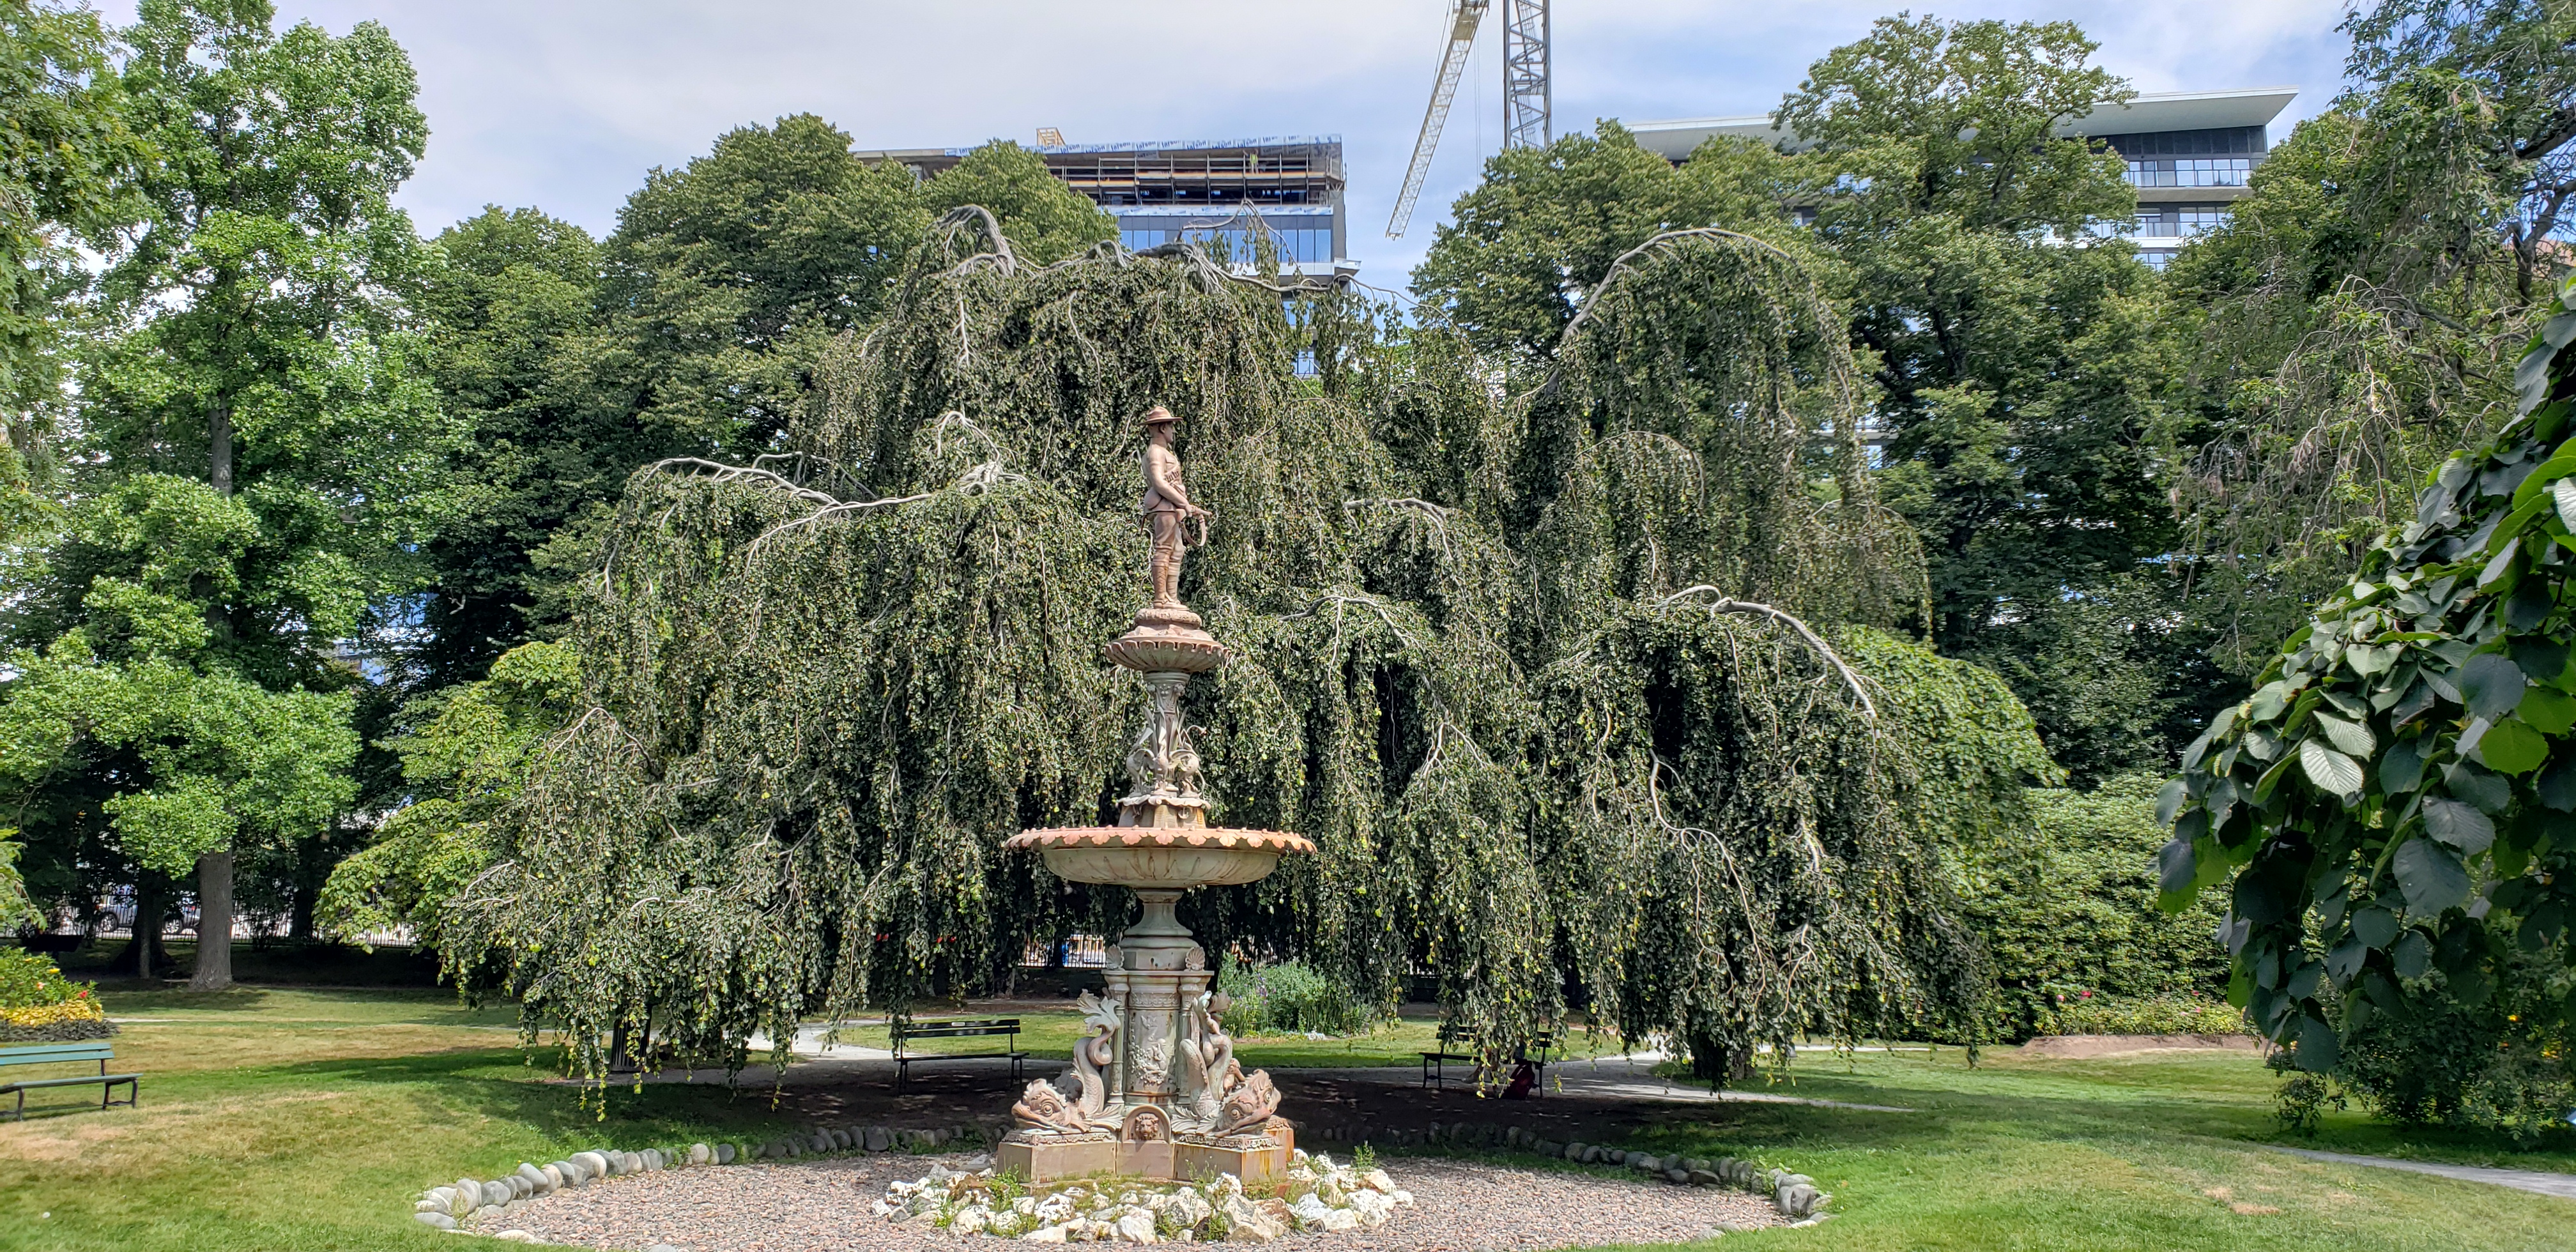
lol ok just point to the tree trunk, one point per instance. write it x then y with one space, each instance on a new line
219 447
214 923
308 884
142 952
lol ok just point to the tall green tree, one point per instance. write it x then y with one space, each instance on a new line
1044 220
66 161
263 455
1526 245
2020 359
510 301
725 278
2358 316
2387 811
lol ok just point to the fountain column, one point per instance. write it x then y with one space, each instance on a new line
1154 1089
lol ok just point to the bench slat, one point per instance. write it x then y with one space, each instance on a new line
50 1054
82 1081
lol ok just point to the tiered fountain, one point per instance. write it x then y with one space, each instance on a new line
1154 1089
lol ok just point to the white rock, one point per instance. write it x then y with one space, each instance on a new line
1403 1198
1339 1219
1044 1234
1185 1208
1134 1226
515 1236
1376 1180
1246 1223
591 1163
1309 1210
1373 1207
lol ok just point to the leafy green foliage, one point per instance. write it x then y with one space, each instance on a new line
811 712
465 756
1288 998
2358 318
30 980
259 452
2388 806
214 760
2068 912
66 161
2021 376
1044 219
1529 243
15 907
2169 1014
2503 73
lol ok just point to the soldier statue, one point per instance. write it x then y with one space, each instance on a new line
1167 506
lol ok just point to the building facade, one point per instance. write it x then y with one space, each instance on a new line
1286 190
2189 152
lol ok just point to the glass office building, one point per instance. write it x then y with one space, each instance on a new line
1282 193
2189 153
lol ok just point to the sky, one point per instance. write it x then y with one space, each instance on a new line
564 104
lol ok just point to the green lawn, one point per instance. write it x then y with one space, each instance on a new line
298 1119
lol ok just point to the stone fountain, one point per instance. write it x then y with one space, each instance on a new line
1154 1089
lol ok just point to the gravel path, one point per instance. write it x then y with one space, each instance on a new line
822 1206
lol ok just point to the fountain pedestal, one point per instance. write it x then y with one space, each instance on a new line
1154 1089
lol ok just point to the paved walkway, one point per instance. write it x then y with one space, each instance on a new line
2560 1185
1628 1077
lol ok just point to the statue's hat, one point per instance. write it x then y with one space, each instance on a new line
1156 416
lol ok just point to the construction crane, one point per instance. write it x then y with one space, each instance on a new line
1525 89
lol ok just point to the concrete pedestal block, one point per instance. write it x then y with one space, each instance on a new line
1044 1158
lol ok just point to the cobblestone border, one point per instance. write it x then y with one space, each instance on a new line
487 1202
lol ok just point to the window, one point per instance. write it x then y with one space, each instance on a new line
2190 171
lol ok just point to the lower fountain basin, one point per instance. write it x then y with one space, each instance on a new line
1160 857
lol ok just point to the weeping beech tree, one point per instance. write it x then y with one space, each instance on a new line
1589 697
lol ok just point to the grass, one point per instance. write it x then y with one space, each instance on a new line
302 1119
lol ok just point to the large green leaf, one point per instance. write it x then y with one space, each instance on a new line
2330 770
2402 769
2548 710
2558 787
2491 685
2374 926
2458 825
2350 738
2564 494
2510 747
2431 876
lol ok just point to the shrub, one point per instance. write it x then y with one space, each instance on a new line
39 1005
2071 910
2091 1014
1288 999
2498 1064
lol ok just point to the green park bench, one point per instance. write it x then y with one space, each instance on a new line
67 1054
1457 1044
906 1031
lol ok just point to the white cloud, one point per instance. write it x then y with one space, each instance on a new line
563 104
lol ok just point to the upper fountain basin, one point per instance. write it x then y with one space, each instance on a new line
1169 858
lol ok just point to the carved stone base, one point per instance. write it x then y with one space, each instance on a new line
1045 1157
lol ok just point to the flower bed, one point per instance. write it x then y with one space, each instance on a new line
39 1005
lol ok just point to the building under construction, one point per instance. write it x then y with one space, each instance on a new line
1287 189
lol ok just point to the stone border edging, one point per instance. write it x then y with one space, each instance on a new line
449 1206
1795 1195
